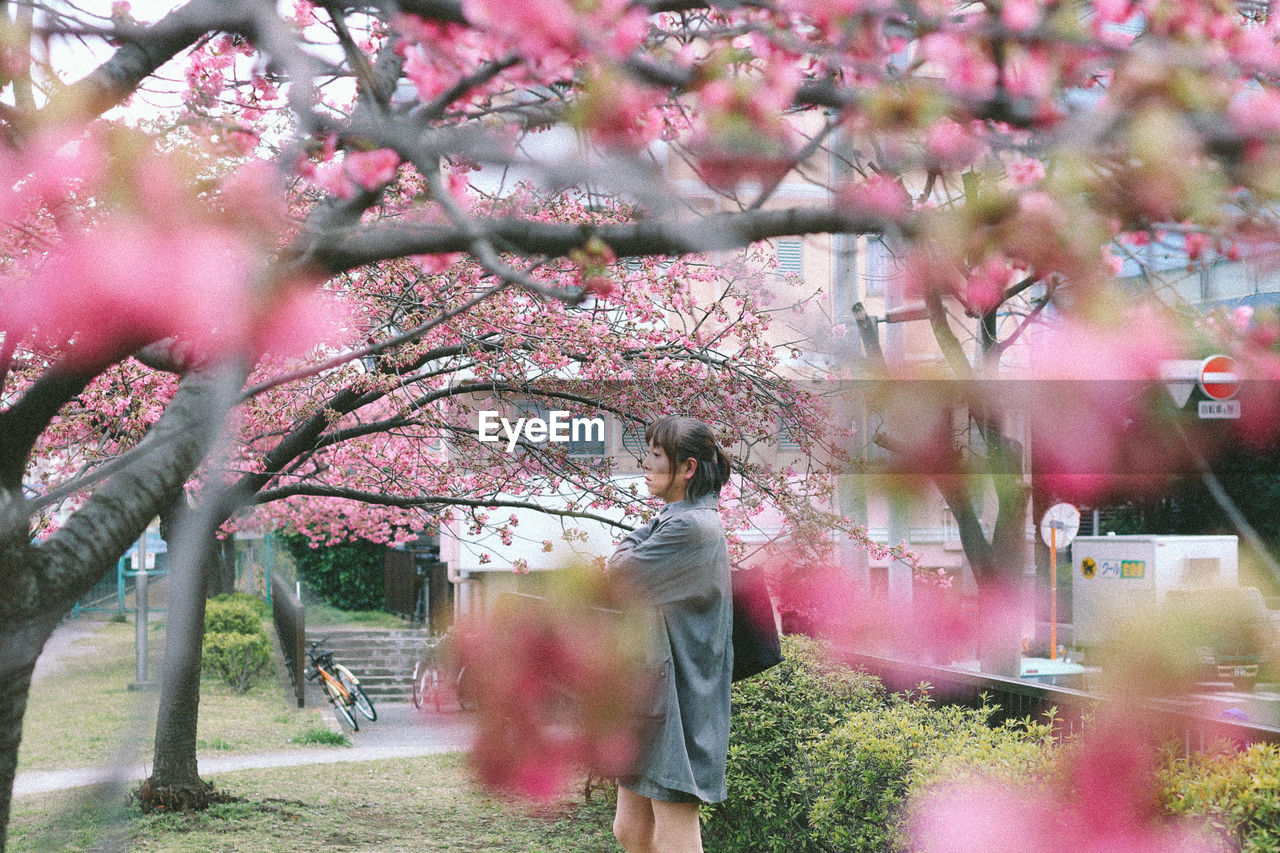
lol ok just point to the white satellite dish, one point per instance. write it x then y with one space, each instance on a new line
1060 525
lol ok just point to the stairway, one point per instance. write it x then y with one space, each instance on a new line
381 658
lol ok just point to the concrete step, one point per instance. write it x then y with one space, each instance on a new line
382 659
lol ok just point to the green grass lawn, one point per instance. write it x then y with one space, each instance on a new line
399 806
85 715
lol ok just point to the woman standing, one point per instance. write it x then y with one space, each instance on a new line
680 563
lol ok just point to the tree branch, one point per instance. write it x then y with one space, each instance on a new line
23 422
345 249
144 51
117 513
422 501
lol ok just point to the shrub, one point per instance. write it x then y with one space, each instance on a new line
863 773
237 658
348 575
1238 792
259 605
777 716
231 617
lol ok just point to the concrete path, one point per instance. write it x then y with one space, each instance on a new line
401 731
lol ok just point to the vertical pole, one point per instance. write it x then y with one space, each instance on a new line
1053 590
300 655
270 544
141 617
120 585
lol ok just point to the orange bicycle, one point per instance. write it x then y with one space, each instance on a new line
340 685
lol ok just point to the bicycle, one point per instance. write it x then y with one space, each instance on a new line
340 685
426 675
433 675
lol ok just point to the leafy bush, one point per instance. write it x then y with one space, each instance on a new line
777 716
231 617
822 757
1238 792
863 773
347 575
237 658
259 605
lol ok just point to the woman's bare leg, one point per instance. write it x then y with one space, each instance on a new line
676 828
633 823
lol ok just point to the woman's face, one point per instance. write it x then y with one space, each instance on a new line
658 476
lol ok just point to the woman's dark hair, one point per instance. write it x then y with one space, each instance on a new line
684 438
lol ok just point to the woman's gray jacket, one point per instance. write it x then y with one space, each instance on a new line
680 561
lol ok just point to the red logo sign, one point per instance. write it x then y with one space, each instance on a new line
1218 377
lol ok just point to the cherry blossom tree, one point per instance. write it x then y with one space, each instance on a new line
367 157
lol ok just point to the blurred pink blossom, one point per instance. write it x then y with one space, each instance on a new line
1094 398
952 145
1024 171
558 684
372 169
879 195
1019 15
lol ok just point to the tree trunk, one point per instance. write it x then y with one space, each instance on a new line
40 581
18 652
997 567
175 783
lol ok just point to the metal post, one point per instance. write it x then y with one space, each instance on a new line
270 544
1053 589
141 681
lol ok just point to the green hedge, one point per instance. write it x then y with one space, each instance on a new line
1239 793
347 575
259 605
822 757
238 659
231 616
777 717
864 772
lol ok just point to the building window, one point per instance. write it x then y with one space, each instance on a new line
788 436
585 439
790 257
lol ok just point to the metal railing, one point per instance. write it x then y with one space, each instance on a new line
1071 709
289 616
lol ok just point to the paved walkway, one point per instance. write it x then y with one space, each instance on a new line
401 731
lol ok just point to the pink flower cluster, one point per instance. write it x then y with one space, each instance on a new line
555 32
366 170
559 689
162 265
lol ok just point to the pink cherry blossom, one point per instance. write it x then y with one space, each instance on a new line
880 195
1019 15
371 169
984 288
1256 113
558 688
952 145
1024 171
1094 402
